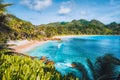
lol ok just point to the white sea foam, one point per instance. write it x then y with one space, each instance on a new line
68 64
65 65
59 45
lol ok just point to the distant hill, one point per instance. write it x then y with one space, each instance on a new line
14 28
114 27
83 26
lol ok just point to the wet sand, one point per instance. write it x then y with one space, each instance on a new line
24 45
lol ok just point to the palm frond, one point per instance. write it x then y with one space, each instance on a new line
91 66
80 67
3 7
112 59
104 66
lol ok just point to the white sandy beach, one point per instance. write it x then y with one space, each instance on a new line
22 46
71 36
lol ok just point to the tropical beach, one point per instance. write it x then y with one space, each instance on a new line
59 40
71 36
24 45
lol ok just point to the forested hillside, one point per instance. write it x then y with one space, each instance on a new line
15 66
13 28
78 27
115 28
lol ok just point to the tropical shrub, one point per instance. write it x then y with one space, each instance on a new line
24 68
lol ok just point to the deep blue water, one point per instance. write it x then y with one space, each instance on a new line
77 49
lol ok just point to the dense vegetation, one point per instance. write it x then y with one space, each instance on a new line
105 68
114 27
12 28
14 67
78 27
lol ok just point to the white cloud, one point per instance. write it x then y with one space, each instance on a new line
66 7
107 18
37 5
82 12
64 10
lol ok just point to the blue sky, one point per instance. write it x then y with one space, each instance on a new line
46 11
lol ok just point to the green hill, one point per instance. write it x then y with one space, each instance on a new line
14 28
93 27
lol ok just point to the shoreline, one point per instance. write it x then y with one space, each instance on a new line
25 45
71 36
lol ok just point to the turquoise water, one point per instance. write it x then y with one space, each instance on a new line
77 49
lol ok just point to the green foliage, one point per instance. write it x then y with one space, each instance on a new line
13 28
70 76
76 27
4 51
80 67
106 67
115 28
92 69
103 69
23 68
3 7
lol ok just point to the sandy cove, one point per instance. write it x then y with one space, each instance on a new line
72 36
22 46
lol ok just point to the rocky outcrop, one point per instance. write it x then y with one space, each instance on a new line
49 62
55 39
46 61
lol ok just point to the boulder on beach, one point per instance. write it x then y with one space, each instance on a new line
42 61
43 58
46 61
55 39
49 62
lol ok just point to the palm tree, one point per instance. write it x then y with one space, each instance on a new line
91 66
3 7
3 27
103 69
2 11
80 67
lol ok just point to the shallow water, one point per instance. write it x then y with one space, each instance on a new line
77 49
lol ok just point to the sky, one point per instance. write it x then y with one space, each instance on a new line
47 11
